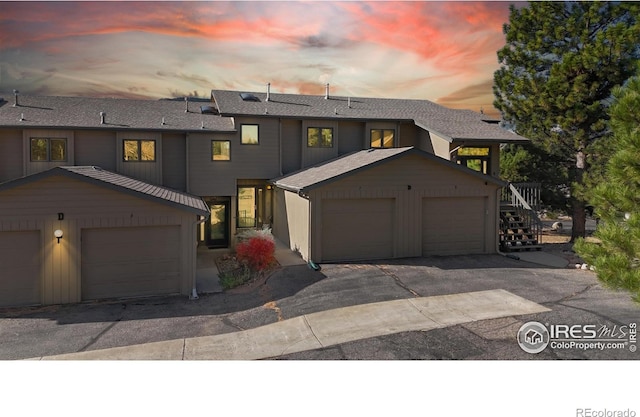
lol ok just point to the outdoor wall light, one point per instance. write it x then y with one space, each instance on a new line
58 234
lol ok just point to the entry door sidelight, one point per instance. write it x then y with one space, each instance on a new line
218 225
247 207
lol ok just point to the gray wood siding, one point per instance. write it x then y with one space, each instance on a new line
38 166
174 161
312 156
424 141
291 221
218 178
35 206
95 148
291 145
351 137
391 180
149 171
11 152
409 135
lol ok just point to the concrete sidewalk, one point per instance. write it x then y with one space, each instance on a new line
327 328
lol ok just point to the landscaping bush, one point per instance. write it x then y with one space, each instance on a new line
258 252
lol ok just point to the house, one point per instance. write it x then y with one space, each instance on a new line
338 178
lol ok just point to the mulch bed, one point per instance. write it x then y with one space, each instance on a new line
228 264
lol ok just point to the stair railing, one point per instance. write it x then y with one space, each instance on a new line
527 213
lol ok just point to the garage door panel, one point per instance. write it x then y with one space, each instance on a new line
357 229
452 226
129 262
20 268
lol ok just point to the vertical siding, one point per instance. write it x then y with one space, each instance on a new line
35 167
441 146
291 145
291 221
95 148
11 152
312 156
149 171
409 135
352 137
174 161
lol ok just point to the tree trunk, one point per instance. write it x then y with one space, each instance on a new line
579 216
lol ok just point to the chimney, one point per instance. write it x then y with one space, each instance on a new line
268 91
102 115
326 94
15 95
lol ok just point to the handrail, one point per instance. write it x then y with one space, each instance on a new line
519 201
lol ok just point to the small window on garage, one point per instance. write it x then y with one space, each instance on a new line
139 150
320 137
221 150
382 138
48 149
249 135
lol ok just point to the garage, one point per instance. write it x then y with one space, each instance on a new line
356 229
453 226
130 262
20 268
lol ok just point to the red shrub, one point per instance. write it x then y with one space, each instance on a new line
257 252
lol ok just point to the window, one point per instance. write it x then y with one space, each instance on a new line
382 138
320 137
48 149
221 150
477 159
247 205
249 134
139 150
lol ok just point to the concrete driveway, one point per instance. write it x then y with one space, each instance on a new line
573 297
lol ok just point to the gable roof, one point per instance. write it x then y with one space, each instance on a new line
452 124
120 114
340 167
98 176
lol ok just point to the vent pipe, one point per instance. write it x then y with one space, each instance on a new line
326 94
268 91
349 102
15 95
186 104
102 115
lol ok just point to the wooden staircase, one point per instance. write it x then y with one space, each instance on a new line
518 231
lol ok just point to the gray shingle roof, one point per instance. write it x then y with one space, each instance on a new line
334 169
450 123
118 182
120 114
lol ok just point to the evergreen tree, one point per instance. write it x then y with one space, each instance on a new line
617 200
558 68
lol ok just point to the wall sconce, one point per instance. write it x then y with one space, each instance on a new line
58 234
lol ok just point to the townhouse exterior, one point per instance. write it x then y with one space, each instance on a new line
135 185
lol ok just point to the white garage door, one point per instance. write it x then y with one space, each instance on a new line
19 268
357 229
130 262
453 226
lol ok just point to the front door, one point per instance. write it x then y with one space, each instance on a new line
217 227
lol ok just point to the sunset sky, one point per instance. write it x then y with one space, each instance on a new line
440 51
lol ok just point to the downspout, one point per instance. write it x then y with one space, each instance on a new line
186 149
194 291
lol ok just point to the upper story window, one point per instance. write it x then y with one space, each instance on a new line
382 138
476 158
48 149
320 137
139 150
249 135
221 150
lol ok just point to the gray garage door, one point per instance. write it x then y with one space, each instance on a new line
453 226
19 268
357 229
130 262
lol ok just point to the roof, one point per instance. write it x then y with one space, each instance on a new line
121 114
451 124
340 167
98 176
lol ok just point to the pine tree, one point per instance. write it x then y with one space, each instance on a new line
558 68
617 200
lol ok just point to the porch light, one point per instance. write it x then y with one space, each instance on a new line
58 234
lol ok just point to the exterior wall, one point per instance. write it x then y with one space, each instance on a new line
291 221
409 136
148 171
352 137
392 180
291 131
97 148
312 156
11 152
440 146
35 206
35 167
174 161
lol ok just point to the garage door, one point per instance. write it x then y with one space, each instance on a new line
357 229
130 262
453 226
19 268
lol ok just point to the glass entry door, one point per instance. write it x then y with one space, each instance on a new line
217 228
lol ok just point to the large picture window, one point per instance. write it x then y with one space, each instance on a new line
382 138
139 150
320 137
48 149
476 158
249 135
221 150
